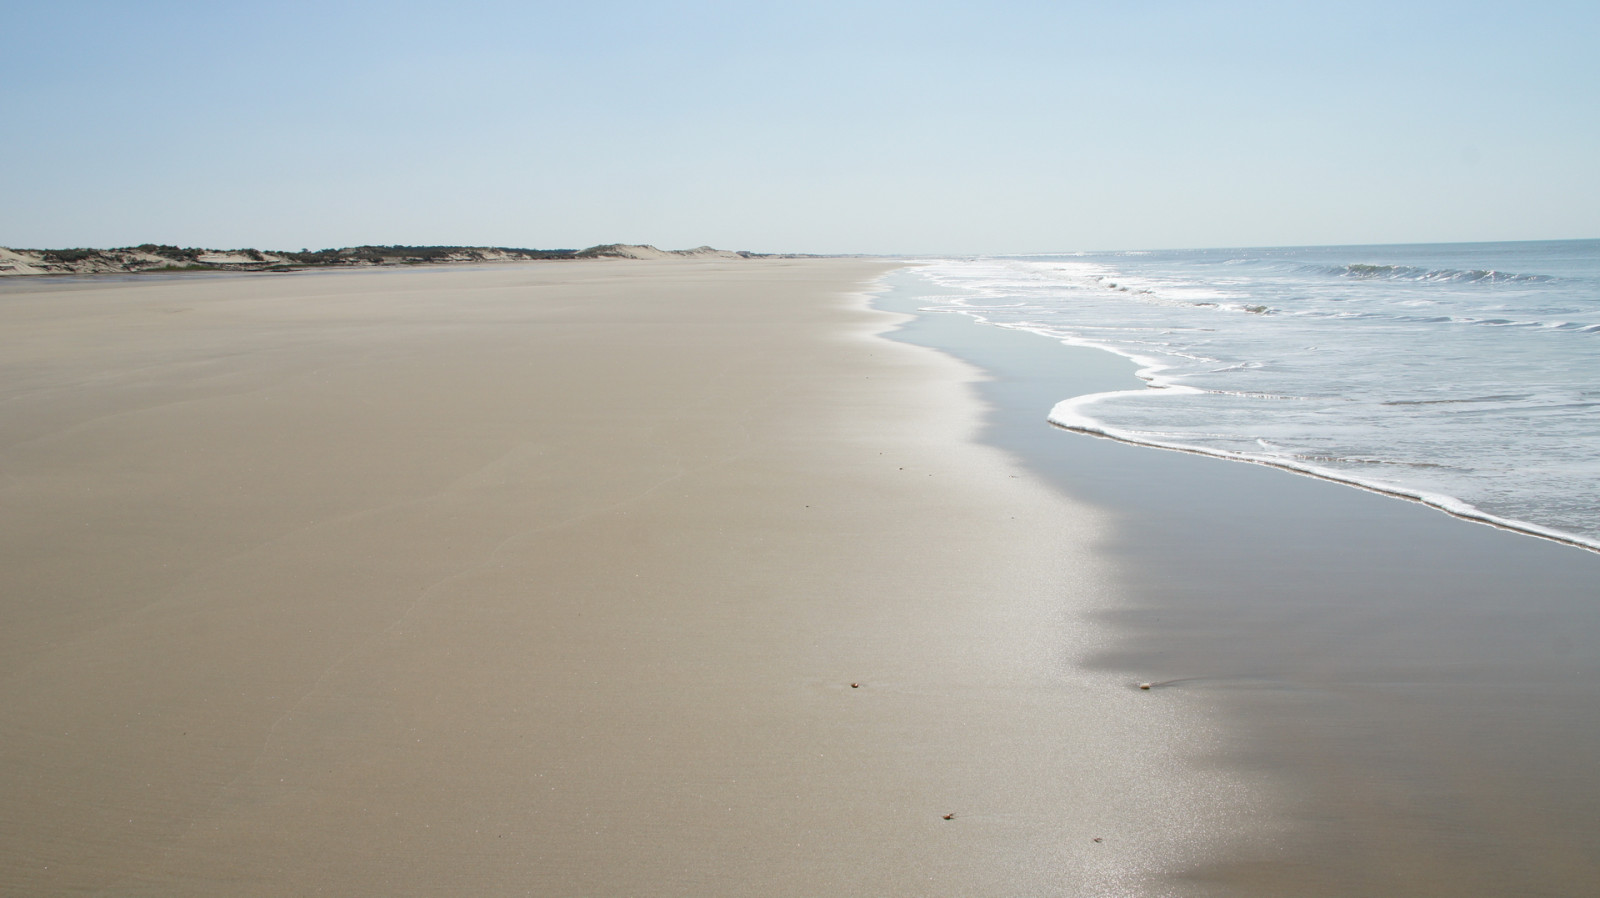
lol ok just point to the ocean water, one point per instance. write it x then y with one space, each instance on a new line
1466 376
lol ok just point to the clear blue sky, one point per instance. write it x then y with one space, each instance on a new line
815 127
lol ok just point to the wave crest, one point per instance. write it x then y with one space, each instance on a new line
1365 271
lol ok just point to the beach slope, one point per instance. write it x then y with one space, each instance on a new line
635 577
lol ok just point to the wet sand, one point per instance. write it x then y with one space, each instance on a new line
605 578
1420 693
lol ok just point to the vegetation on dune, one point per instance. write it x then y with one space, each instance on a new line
377 255
176 258
196 266
188 254
165 257
67 256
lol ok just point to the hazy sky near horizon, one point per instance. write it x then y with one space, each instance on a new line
879 127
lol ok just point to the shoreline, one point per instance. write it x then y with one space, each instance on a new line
1448 505
1345 421
1389 669
1064 415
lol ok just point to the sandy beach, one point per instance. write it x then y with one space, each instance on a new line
603 578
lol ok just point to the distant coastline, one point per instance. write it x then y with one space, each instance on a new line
152 257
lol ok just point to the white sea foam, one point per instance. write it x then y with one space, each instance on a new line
1462 376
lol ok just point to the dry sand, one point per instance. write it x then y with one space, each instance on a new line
550 579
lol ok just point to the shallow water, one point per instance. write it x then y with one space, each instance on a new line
1464 375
